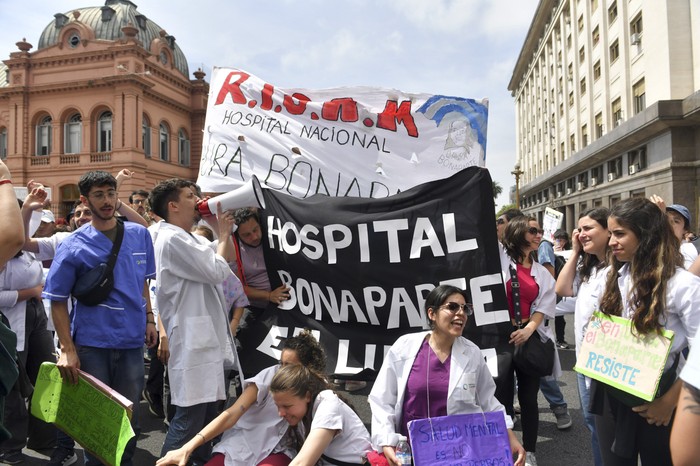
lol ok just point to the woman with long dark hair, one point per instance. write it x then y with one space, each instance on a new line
537 306
648 285
583 277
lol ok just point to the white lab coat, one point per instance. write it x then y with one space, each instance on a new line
258 431
193 310
467 369
19 273
682 311
546 301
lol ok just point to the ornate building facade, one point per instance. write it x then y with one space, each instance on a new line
607 97
106 88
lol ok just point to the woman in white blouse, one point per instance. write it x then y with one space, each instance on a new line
648 285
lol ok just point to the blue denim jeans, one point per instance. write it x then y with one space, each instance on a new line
186 423
552 393
123 371
585 397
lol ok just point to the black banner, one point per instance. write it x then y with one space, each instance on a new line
359 269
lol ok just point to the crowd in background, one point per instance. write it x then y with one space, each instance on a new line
178 276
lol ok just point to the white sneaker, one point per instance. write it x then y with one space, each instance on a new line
530 459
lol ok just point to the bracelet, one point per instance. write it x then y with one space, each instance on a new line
5 182
150 322
204 439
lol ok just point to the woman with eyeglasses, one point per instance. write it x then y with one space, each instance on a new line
537 303
433 373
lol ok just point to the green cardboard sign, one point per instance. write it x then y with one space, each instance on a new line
90 412
612 354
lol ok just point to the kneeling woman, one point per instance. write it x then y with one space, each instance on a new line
327 430
424 373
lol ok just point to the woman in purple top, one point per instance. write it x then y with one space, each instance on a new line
433 373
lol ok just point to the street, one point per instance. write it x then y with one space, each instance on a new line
554 447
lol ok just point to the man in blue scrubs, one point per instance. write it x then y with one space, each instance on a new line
107 339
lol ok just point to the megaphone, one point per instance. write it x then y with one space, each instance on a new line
248 195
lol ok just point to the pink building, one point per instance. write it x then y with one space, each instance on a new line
106 88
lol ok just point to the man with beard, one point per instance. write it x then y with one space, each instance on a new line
193 310
106 339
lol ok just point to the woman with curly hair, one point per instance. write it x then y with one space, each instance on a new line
648 285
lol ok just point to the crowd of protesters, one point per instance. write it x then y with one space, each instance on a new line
186 287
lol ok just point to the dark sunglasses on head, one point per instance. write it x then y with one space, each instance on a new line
534 231
454 308
500 221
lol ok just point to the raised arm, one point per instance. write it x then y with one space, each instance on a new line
565 282
12 231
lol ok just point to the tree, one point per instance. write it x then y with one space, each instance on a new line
504 208
497 190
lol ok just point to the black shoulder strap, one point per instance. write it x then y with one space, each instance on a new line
515 285
115 247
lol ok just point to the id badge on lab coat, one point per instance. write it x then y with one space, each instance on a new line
465 390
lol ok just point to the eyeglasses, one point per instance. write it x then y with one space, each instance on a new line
139 201
500 221
101 195
454 308
535 231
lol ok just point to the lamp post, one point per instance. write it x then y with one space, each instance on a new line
517 172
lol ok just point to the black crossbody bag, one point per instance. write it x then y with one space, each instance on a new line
93 287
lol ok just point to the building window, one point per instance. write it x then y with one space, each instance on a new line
146 136
599 126
73 131
637 160
617 111
636 26
104 132
594 5
596 36
596 70
43 137
183 148
615 169
640 101
568 42
584 136
3 143
571 99
74 40
580 23
582 55
614 50
561 109
612 11
583 85
572 143
164 139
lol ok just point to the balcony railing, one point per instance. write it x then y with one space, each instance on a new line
70 159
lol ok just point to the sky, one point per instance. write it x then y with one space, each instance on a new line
463 48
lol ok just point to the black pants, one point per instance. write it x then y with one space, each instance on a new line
38 348
651 442
559 326
528 387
